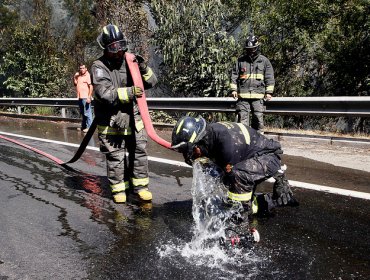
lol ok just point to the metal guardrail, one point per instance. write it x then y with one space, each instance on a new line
320 106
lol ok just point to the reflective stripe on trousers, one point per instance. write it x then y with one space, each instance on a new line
140 182
120 167
244 198
120 187
108 130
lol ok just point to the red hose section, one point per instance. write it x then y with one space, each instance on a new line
57 160
143 106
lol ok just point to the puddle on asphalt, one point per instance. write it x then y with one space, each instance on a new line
209 224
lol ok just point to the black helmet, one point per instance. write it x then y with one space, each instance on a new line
187 130
252 42
112 39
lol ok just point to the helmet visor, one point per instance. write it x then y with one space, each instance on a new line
250 50
186 149
180 148
115 47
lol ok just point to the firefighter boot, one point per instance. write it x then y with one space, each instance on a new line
119 197
144 194
265 203
239 234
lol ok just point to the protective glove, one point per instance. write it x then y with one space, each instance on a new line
283 199
142 64
282 193
120 120
137 91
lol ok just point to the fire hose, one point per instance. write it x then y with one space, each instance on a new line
144 112
143 106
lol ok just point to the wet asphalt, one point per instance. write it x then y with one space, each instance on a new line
61 224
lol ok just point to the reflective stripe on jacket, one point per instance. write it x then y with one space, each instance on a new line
252 80
108 130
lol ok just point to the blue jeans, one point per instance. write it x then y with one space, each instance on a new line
85 110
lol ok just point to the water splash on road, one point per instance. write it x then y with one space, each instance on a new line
209 214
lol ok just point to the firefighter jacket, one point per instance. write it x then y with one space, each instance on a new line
113 94
252 78
230 143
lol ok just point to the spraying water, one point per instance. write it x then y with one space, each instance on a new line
209 210
210 221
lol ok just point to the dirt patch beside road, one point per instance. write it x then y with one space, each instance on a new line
351 155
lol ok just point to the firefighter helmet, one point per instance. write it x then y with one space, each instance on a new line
112 39
252 42
187 130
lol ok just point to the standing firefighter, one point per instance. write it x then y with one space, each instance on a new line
246 157
120 126
252 81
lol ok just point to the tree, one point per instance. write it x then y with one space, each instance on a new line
197 50
32 65
346 49
129 15
83 38
8 19
317 47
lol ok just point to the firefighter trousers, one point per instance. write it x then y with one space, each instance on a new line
247 174
255 106
126 170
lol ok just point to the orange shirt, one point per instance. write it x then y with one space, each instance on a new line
82 87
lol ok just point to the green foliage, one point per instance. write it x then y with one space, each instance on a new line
7 19
317 47
85 32
162 117
44 111
346 46
32 65
194 44
131 17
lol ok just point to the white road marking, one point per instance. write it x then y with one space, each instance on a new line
330 189
297 184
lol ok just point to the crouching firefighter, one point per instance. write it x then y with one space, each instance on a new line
120 127
246 157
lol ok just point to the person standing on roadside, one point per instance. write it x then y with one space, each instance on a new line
84 88
120 127
252 82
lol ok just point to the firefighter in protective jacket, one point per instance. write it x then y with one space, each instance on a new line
252 82
120 127
246 157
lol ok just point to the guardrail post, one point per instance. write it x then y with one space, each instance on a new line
19 110
63 112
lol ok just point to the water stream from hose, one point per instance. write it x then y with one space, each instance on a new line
210 216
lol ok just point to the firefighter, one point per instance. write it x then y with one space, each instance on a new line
120 127
246 157
252 82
